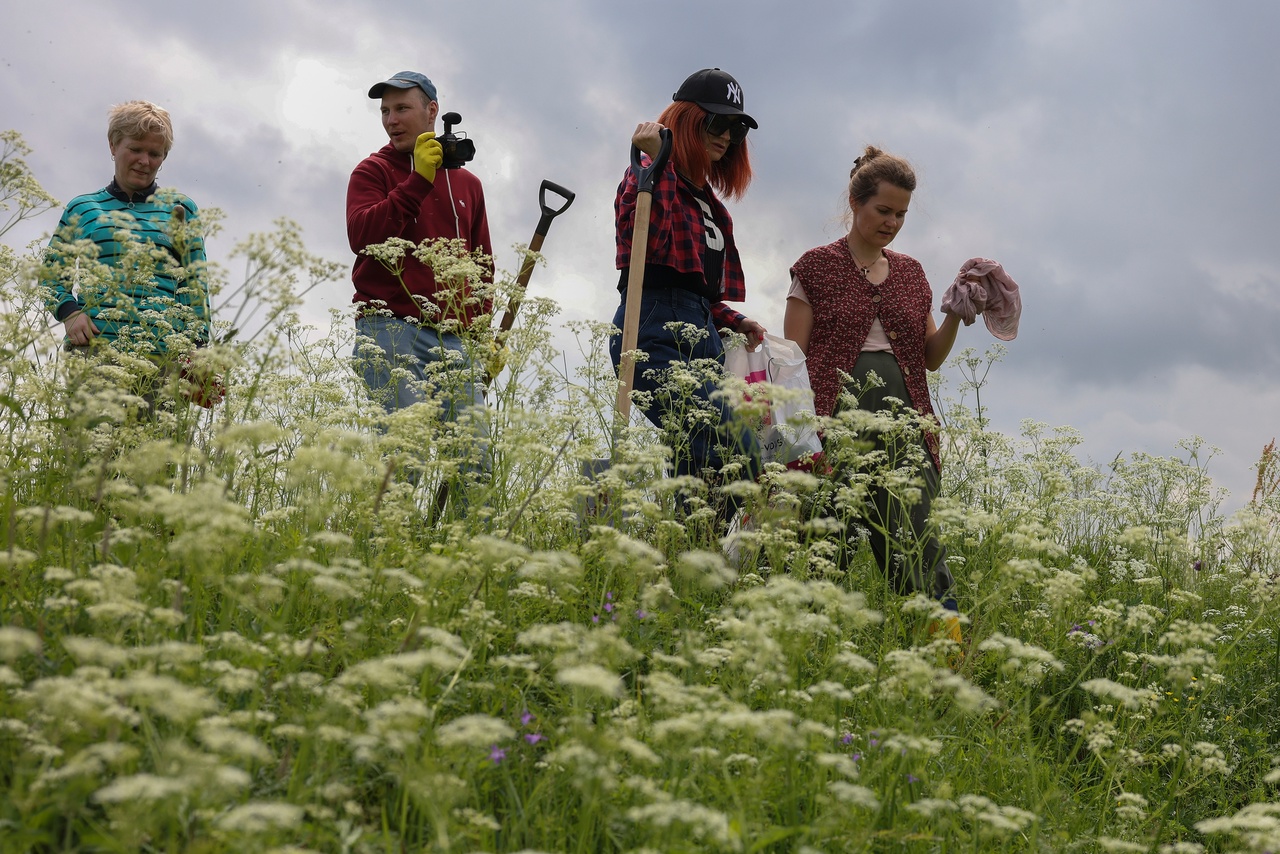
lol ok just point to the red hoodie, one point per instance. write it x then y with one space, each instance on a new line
386 199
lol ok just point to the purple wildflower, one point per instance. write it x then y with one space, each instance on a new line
497 754
847 738
526 718
534 737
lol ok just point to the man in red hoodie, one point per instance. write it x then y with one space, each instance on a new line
402 191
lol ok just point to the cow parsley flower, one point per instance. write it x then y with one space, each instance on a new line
1025 662
166 696
592 677
94 761
930 807
140 787
228 741
260 817
1130 698
846 766
15 558
1000 820
16 642
701 822
1131 806
473 731
1181 848
853 795
1207 758
638 750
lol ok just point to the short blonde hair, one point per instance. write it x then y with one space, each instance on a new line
136 119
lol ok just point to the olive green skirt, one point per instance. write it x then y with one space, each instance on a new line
906 546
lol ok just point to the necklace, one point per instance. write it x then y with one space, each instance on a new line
864 269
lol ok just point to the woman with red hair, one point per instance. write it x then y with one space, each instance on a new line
692 269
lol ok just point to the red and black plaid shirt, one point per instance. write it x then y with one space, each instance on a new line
677 236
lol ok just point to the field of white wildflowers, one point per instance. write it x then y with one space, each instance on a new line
244 629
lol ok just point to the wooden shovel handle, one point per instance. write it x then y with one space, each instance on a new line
645 179
631 320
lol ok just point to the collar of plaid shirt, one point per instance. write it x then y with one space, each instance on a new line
676 231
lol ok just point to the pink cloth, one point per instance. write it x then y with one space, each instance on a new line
994 295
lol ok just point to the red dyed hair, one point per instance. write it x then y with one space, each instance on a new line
729 176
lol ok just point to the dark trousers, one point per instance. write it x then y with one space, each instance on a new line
701 429
905 546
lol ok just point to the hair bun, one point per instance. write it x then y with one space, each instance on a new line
869 154
876 165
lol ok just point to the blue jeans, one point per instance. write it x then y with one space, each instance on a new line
698 442
414 348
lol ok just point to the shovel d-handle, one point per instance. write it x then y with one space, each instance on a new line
645 179
549 213
647 175
526 269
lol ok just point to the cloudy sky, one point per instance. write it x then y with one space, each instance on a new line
1117 156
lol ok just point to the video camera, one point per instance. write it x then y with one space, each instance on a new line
457 149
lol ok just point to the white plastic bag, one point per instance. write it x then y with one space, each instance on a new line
787 434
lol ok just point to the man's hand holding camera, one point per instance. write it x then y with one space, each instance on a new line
428 154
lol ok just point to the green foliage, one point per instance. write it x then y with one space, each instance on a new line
236 629
21 196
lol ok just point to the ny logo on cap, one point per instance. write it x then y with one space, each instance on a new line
735 93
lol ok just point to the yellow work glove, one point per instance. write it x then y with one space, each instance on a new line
496 360
427 155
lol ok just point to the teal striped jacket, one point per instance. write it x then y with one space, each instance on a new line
131 265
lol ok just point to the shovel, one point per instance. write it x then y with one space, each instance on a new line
645 178
522 283
526 270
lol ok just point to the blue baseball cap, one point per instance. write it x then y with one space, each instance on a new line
406 80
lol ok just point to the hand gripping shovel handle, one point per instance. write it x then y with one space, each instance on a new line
645 178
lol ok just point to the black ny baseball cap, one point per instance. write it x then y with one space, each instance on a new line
714 91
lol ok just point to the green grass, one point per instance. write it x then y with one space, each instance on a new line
236 629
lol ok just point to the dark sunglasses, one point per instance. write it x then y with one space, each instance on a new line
717 124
